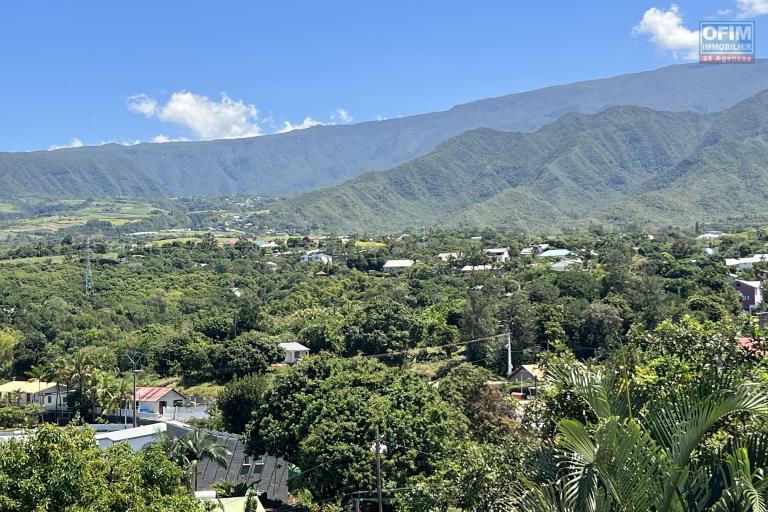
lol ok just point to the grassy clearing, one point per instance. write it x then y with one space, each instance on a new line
362 244
117 213
33 259
55 259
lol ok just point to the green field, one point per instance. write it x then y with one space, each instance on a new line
54 259
116 212
361 244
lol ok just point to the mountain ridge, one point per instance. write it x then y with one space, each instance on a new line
624 164
304 160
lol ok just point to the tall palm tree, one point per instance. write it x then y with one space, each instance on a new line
80 372
59 373
197 446
110 392
645 462
40 373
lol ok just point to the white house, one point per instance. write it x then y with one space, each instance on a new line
475 268
136 437
23 392
396 264
746 263
501 254
154 399
529 251
448 256
318 257
293 352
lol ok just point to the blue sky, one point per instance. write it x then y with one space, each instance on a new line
94 72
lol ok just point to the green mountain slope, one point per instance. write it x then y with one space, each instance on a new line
625 164
305 160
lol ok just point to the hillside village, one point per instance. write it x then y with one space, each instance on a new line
384 257
435 294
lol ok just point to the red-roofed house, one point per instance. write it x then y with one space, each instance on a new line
751 346
153 399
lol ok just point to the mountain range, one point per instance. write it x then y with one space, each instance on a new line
306 160
626 164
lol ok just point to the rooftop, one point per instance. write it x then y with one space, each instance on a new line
757 258
533 369
132 433
470 268
751 284
153 393
292 345
555 253
398 263
27 386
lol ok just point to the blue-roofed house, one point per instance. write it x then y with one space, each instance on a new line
555 253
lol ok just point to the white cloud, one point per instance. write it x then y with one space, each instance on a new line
161 138
752 8
206 118
308 122
121 142
143 104
341 115
74 143
724 12
226 119
666 30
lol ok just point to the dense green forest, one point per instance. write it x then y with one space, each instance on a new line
624 165
638 343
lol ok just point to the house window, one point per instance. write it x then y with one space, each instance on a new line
49 398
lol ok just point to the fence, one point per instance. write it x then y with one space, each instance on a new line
178 413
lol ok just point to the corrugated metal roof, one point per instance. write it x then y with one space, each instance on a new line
398 263
153 393
555 253
132 433
28 386
292 345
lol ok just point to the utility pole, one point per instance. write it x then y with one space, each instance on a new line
378 470
135 358
509 354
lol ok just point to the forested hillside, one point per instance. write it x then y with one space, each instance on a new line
624 165
305 160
